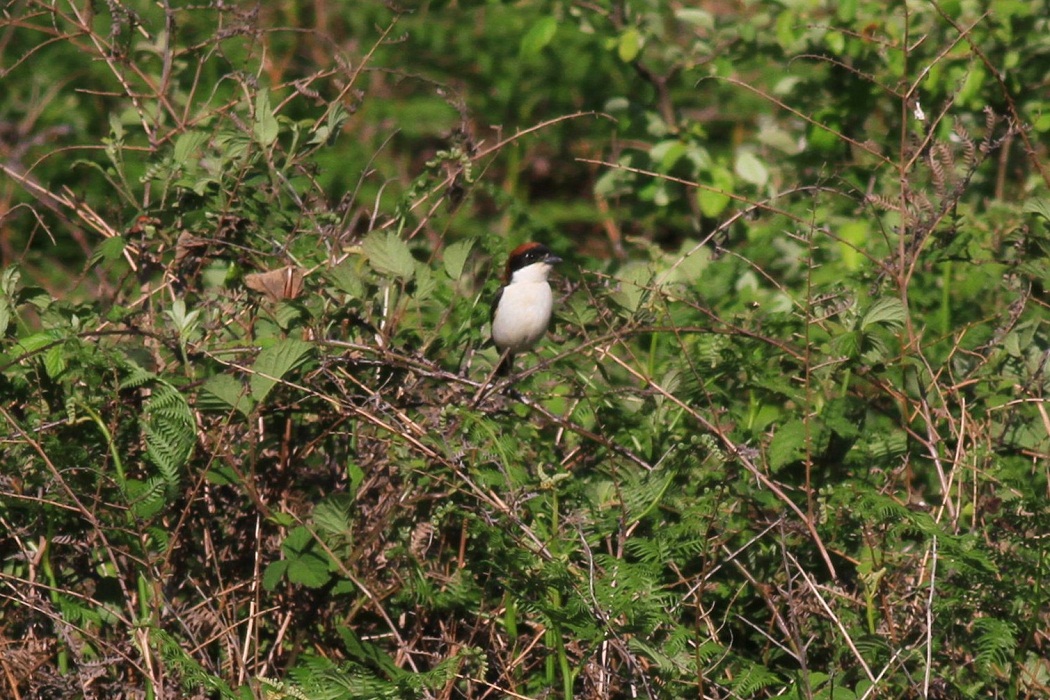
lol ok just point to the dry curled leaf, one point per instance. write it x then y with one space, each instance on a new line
285 283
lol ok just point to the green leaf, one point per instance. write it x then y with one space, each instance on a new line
170 433
332 515
538 36
265 127
787 30
714 201
327 132
373 655
10 281
230 393
787 445
389 255
847 344
347 279
273 574
455 257
274 362
995 642
629 45
356 475
185 322
309 570
751 169
835 41
886 311
667 153
693 262
633 278
110 249
187 146
1038 206
305 565
146 498
701 19
115 127
425 283
853 236
55 361
223 475
976 79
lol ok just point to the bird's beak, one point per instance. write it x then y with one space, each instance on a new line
552 260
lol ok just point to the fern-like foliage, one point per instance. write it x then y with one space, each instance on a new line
191 674
751 679
170 433
316 678
963 551
995 642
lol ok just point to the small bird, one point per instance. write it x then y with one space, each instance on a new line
521 311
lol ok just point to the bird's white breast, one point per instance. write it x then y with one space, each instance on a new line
523 314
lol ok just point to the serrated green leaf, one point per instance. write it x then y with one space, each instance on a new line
296 541
230 393
170 433
305 566
787 445
332 515
847 344
273 574
274 362
265 127
539 36
886 311
309 570
455 258
347 279
389 255
36 296
288 314
110 250
632 277
425 283
1038 206
187 146
55 361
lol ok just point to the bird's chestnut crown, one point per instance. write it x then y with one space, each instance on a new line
529 253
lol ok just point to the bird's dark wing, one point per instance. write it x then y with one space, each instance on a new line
495 303
506 359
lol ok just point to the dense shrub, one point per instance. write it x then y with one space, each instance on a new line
788 437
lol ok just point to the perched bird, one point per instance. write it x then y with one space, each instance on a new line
521 311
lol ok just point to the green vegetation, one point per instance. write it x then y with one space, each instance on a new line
789 436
